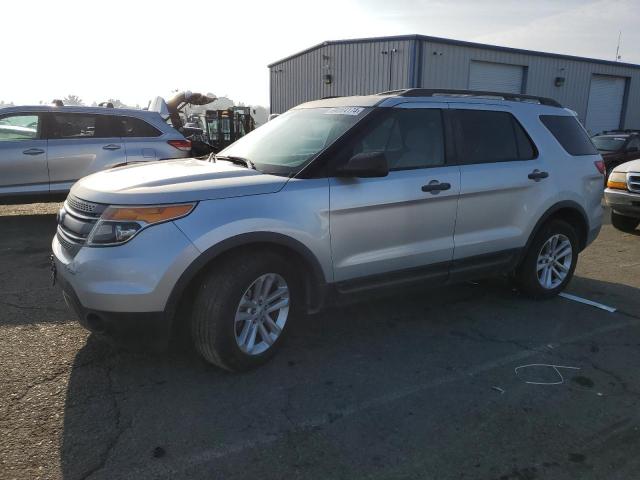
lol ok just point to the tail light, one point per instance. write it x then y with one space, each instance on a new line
600 166
184 145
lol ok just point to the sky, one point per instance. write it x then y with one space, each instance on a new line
137 49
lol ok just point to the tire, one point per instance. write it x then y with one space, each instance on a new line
624 223
214 328
527 275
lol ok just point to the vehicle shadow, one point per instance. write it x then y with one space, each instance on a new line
26 294
151 416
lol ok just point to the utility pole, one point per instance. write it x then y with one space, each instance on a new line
618 56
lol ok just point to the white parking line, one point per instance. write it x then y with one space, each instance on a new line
575 298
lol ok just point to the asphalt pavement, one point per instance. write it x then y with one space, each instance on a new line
471 381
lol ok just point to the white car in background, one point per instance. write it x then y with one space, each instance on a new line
622 195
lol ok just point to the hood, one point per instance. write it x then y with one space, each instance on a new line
174 181
632 166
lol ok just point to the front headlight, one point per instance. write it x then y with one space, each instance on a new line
617 180
118 225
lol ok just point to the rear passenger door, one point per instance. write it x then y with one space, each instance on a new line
140 139
403 222
80 144
504 183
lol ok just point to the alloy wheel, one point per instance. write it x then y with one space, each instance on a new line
262 313
554 261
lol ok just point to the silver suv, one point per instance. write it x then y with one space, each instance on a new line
45 149
333 198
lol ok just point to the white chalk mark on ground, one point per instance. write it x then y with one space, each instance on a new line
555 367
575 298
177 466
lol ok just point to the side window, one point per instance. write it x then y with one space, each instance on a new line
135 127
78 125
634 143
410 138
19 127
485 136
573 138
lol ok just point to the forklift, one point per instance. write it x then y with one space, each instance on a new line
223 127
210 131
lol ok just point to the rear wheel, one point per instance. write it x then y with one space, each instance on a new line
550 261
624 223
243 309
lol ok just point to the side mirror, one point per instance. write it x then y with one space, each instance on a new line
632 149
365 165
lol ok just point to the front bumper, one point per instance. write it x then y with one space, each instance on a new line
134 330
624 203
122 292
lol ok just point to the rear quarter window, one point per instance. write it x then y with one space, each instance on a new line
568 132
135 127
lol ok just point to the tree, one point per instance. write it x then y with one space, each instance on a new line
72 100
117 103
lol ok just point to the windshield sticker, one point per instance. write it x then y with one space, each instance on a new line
344 111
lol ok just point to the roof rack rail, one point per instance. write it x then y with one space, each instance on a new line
432 92
394 92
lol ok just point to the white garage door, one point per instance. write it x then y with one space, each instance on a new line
605 103
495 77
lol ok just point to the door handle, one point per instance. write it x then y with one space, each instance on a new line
111 146
33 151
435 186
537 175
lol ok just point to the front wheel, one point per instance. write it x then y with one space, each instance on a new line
624 223
550 261
242 310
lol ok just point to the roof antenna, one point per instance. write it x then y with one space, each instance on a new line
618 56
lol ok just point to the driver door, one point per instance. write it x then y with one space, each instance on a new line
402 223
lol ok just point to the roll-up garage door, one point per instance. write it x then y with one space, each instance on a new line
604 110
495 77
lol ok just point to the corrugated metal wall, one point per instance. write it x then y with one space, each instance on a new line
447 66
359 68
355 68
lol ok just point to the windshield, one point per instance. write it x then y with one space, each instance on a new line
287 143
608 144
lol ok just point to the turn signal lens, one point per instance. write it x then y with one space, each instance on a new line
147 214
118 225
600 166
617 180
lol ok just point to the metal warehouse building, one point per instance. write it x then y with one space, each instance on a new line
605 94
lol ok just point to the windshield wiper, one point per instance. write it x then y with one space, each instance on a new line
245 162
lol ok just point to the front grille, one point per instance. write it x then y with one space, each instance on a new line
75 222
633 181
81 205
